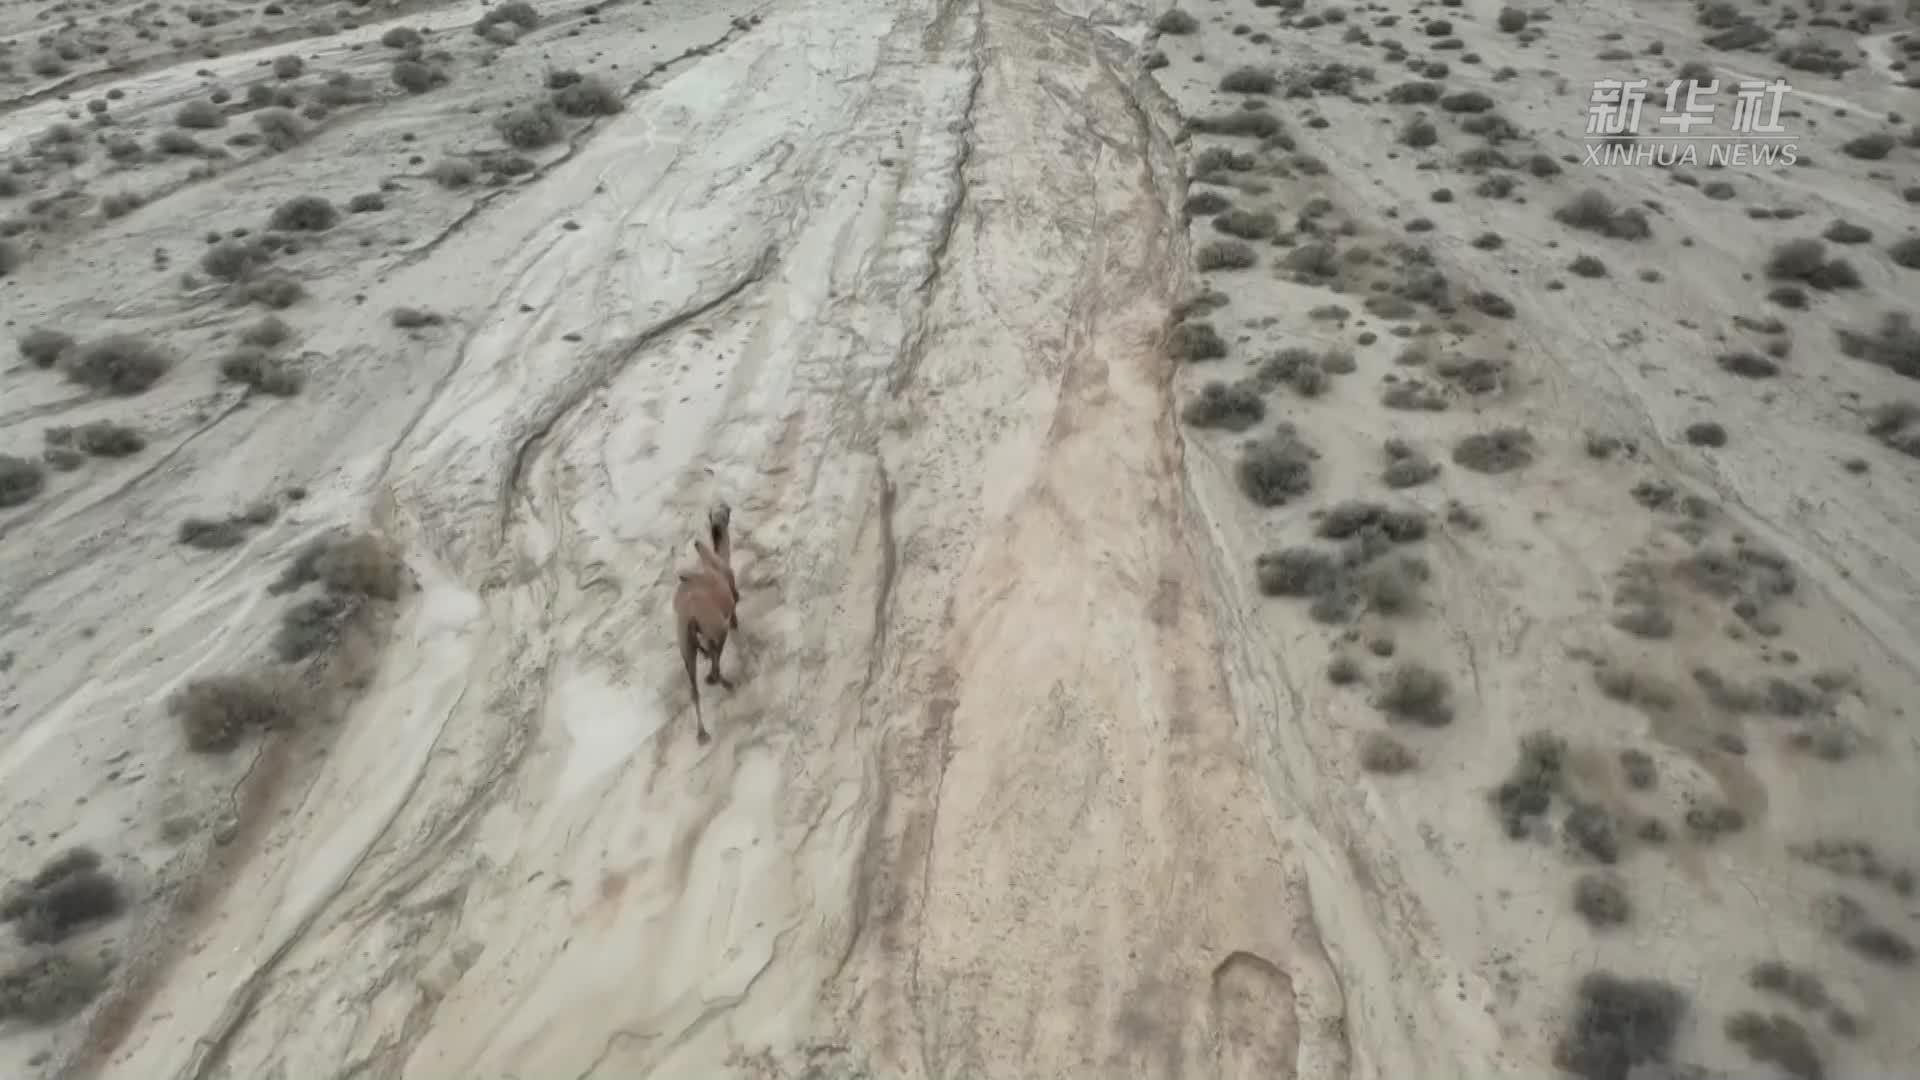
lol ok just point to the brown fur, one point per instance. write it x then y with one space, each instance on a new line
704 610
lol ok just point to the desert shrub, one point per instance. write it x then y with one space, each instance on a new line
199 116
361 565
1232 408
1601 899
276 291
1419 133
21 480
416 77
402 37
1846 232
269 331
43 346
68 892
1528 790
1416 693
288 66
1408 469
1871 147
280 128
453 173
1417 92
1177 22
1343 670
231 260
1897 424
118 364
1777 1040
10 256
1644 621
1247 224
1297 572
119 204
1224 255
1275 469
1806 261
591 96
1618 1024
1384 754
49 986
1191 341
1247 123
366 202
178 144
104 438
312 626
1466 101
1803 988
1497 451
216 711
1894 344
210 534
1593 211
1637 765
1587 266
530 127
1748 365
1203 203
1905 252
1512 20
253 367
304 213
1706 433
519 12
1248 80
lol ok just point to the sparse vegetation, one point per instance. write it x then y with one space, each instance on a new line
1593 211
304 213
1618 1024
1706 433
1806 261
589 96
1803 988
217 711
1176 22
1224 255
1386 755
43 346
49 986
1233 408
68 892
200 116
530 127
122 364
21 480
1778 1040
1417 694
1276 469
1894 345
1601 899
1497 451
1194 341
1905 252
260 371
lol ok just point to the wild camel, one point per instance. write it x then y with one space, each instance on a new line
705 607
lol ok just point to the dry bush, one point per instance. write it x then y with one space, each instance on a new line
1248 80
1528 790
1905 252
288 66
1192 341
1601 899
1203 203
1416 693
362 565
1897 424
199 116
49 986
416 76
209 534
268 332
43 346
255 368
1593 211
1587 266
1846 232
453 173
1382 753
1232 408
1870 147
1806 261
1894 345
1177 22
1706 433
1803 988
232 260
21 480
1247 224
530 127
1276 469
402 37
122 364
1406 466
1224 255
281 129
1638 768
99 438
10 256
591 96
217 711
1497 451
1777 1040
1748 365
67 893
366 202
304 213
1618 1025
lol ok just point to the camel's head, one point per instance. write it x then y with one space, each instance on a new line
718 518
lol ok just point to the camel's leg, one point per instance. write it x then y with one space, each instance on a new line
713 670
689 646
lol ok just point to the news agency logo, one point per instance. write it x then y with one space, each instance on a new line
1752 138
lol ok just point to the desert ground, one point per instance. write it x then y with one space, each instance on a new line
1258 557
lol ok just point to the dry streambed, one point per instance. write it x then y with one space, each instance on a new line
1510 673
